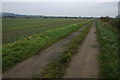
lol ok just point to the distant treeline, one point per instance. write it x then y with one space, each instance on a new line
44 17
12 15
114 22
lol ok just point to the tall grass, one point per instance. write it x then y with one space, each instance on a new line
108 58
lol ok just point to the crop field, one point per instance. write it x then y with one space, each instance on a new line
49 45
15 29
35 43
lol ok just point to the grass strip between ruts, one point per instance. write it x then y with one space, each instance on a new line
57 68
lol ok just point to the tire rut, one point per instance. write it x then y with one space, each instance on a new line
84 64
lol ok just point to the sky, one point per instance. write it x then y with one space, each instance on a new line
60 0
62 7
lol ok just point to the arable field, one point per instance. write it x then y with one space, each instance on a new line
17 28
19 50
59 47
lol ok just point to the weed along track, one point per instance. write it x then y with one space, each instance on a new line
57 68
84 64
34 66
108 59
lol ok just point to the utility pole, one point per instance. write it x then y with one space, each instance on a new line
119 9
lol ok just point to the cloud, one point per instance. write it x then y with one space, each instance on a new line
57 8
60 0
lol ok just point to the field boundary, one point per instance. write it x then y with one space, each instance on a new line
108 58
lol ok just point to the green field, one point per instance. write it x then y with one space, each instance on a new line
19 50
17 28
25 37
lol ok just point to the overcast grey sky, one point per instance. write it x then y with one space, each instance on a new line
54 8
59 0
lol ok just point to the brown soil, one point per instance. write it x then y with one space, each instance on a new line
84 64
35 64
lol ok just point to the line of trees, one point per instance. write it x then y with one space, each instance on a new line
12 15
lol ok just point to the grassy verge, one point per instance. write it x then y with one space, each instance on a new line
57 68
18 51
108 58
